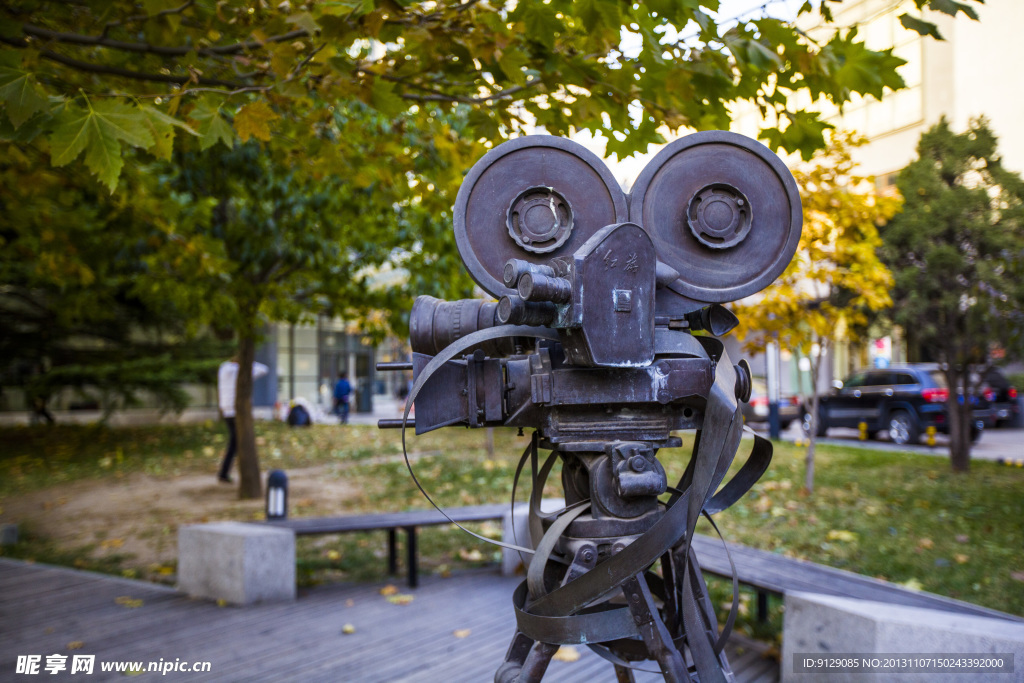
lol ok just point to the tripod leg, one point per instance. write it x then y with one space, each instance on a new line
518 650
525 661
623 675
653 631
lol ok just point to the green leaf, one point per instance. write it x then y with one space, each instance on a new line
161 127
20 95
305 20
71 136
212 126
99 131
512 63
951 7
384 99
542 23
103 158
924 28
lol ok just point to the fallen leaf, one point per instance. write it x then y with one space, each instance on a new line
473 555
925 543
400 598
913 584
763 504
461 632
126 601
208 451
388 590
842 535
961 558
566 653
350 602
348 629
76 645
333 555
222 602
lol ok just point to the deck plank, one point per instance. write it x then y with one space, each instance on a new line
301 640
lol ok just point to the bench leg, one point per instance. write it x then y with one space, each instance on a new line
762 606
392 551
410 553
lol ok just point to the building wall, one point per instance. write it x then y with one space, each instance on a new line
970 73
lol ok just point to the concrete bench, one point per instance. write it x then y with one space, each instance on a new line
771 573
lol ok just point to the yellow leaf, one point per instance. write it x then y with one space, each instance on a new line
128 602
913 584
388 590
961 558
926 543
76 645
461 633
566 653
400 598
253 121
842 535
333 555
348 629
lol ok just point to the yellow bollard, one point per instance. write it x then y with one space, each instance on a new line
931 436
863 427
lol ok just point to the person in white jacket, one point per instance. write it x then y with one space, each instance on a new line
227 381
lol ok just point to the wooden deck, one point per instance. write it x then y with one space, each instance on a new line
43 609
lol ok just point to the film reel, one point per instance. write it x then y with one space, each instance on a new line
722 210
533 198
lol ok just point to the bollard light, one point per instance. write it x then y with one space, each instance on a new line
863 428
277 495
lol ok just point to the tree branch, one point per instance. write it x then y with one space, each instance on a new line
142 17
440 96
135 75
166 51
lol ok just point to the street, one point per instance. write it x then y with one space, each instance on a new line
1005 442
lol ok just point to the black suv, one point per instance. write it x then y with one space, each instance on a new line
902 400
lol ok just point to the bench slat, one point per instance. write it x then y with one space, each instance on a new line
779 574
391 520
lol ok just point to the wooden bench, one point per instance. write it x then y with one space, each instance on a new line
391 522
768 573
772 573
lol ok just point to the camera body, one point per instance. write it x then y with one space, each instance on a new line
602 338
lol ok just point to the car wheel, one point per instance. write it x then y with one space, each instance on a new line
902 428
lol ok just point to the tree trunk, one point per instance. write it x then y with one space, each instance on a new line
959 416
249 484
812 440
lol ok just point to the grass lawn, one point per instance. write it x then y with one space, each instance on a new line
898 516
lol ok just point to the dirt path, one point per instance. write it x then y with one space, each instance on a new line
137 517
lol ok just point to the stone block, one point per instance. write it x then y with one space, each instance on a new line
236 562
511 563
8 534
833 626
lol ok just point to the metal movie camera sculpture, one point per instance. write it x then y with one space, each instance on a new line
590 343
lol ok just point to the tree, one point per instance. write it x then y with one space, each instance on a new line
71 315
835 281
957 253
126 82
266 241
95 80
